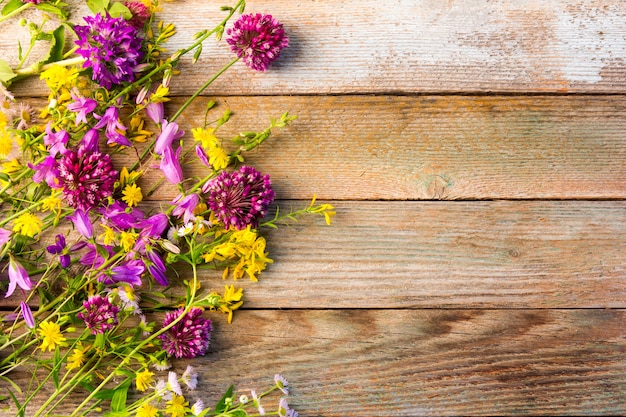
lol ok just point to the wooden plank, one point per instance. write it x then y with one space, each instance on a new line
430 147
385 46
462 255
426 362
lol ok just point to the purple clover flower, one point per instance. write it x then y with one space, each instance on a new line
86 175
100 314
240 198
257 39
189 337
140 13
111 47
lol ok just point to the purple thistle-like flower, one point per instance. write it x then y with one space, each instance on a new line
111 47
18 276
240 198
257 39
100 316
189 337
140 13
87 177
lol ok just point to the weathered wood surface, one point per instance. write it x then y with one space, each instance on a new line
413 308
378 362
410 46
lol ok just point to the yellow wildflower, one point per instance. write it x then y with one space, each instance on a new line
77 359
143 379
206 137
132 195
109 236
160 95
51 203
11 166
136 131
177 406
127 240
51 334
28 225
146 410
326 209
231 301
57 77
6 142
218 157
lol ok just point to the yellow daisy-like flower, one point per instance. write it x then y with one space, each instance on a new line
9 167
231 301
77 359
143 379
52 203
218 157
146 410
132 195
206 137
57 77
177 406
109 236
51 334
6 142
127 240
28 225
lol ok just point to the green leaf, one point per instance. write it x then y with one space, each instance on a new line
221 406
98 6
56 367
4 177
49 8
105 394
11 6
57 44
6 72
17 403
118 9
118 402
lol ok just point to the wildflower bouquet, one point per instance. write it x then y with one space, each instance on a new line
91 259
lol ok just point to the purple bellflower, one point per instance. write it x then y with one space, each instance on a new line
170 165
18 277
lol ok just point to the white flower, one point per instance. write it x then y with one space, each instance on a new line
186 229
172 383
162 391
197 408
190 378
281 383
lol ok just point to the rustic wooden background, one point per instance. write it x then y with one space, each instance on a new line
475 152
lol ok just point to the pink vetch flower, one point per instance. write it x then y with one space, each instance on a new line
170 165
189 337
169 133
82 223
185 206
111 48
18 276
86 175
83 106
111 121
28 315
100 314
257 39
240 198
5 236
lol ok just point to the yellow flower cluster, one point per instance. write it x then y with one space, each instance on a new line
218 157
6 140
28 225
246 246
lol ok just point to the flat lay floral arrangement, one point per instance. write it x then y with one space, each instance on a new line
91 265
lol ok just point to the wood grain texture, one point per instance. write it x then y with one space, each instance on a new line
378 46
461 255
386 147
428 362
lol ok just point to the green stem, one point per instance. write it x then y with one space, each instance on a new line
127 359
26 210
16 11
